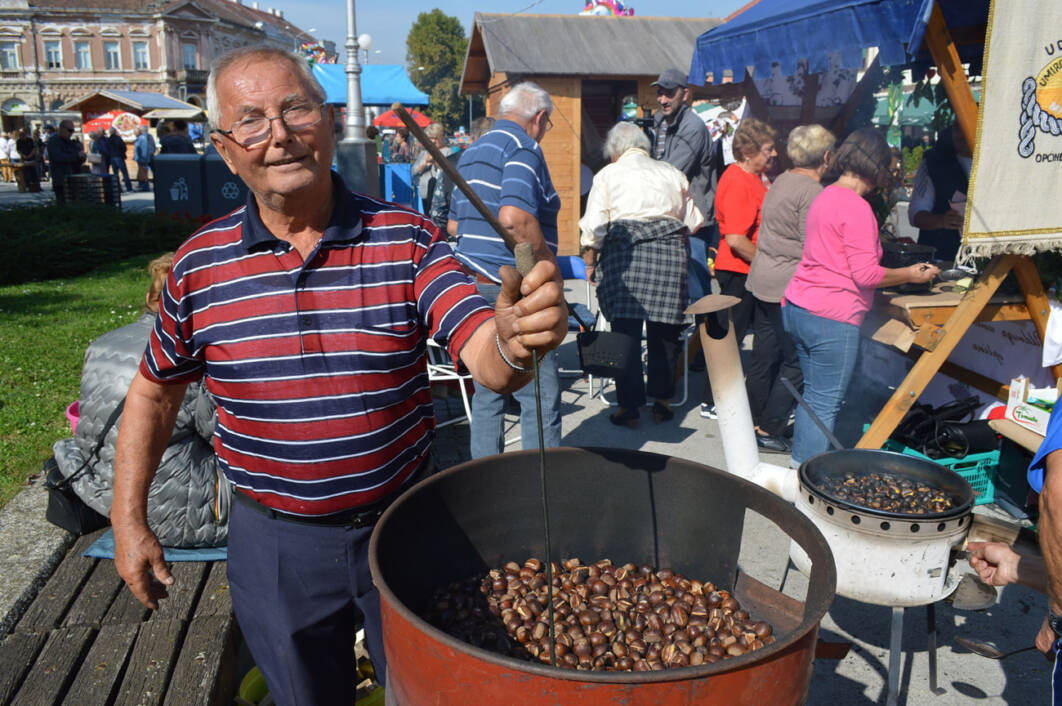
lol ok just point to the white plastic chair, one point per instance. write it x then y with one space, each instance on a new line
441 368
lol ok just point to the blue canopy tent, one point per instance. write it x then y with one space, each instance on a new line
787 31
381 84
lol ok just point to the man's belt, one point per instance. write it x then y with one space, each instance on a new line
358 517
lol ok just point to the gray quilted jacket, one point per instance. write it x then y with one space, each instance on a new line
188 504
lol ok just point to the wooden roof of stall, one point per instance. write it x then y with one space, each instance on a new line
570 45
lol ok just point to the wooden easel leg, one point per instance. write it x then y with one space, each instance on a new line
929 363
1035 298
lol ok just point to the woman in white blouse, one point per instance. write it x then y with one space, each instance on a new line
636 230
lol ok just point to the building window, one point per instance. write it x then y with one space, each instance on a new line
140 55
83 55
113 56
8 55
53 55
190 56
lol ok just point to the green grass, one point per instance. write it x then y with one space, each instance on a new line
44 330
70 274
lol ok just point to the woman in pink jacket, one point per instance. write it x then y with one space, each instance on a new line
834 284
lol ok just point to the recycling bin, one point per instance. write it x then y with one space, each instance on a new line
224 191
179 185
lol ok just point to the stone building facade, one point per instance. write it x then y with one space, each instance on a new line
54 51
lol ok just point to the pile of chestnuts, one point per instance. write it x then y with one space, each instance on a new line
606 617
888 492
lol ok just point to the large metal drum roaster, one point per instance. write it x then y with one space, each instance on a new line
604 503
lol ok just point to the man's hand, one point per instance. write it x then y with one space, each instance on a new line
147 422
531 313
995 562
949 220
139 561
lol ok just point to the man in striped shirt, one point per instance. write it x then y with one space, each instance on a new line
307 312
508 172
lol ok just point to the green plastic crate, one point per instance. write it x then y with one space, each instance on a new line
979 470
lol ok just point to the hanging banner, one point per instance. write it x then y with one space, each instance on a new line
1017 170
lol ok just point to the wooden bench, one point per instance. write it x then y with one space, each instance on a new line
85 640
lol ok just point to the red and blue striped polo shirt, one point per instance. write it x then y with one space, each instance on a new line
318 367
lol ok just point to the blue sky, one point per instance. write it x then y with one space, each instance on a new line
388 21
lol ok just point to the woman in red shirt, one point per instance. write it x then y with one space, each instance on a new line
738 200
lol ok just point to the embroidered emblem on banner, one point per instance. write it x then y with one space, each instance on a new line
1041 103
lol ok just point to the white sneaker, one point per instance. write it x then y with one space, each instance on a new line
708 411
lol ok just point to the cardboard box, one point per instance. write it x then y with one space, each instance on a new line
1021 412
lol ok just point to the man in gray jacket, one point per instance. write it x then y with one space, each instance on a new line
683 141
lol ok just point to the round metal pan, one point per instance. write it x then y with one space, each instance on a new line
816 470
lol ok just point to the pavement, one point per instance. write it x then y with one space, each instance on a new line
11 197
30 547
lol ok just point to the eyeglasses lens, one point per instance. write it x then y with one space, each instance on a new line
255 131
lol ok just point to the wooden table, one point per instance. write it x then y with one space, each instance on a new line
85 640
935 322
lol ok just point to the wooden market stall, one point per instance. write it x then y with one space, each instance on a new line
128 110
588 64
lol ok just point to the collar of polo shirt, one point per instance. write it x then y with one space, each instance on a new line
344 225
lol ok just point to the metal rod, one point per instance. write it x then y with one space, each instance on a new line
545 512
814 417
895 637
931 639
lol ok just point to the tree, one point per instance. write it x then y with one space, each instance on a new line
435 56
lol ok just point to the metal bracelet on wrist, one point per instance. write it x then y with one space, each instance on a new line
511 364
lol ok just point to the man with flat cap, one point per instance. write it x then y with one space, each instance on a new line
683 141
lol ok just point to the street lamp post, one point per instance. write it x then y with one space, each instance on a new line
356 153
365 42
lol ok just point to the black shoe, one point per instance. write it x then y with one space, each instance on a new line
662 413
773 443
628 418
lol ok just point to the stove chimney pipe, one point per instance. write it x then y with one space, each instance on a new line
736 431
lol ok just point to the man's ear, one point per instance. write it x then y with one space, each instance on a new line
221 145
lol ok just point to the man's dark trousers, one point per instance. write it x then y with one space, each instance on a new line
314 579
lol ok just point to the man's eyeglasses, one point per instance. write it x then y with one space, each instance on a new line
251 133
549 124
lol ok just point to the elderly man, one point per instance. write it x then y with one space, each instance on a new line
506 169
306 312
65 157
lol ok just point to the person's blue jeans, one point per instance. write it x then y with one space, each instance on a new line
700 279
488 407
118 165
828 351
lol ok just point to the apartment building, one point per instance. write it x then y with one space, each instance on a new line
55 51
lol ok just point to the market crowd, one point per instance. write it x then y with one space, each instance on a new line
292 331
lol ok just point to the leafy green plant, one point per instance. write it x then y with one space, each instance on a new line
912 159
